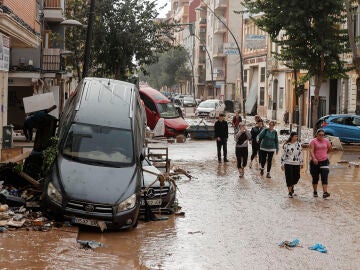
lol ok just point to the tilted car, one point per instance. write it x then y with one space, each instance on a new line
210 108
97 175
344 126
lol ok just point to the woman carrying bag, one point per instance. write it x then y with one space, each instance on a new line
291 161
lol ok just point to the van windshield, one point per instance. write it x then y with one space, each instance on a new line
167 110
99 145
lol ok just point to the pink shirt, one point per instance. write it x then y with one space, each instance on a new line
320 148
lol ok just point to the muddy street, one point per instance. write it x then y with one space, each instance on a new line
229 223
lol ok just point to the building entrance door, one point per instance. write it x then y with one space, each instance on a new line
333 96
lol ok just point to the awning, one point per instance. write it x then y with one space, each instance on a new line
251 99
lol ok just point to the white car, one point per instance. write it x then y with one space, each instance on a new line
210 108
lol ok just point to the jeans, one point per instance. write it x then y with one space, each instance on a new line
255 150
266 157
222 143
242 154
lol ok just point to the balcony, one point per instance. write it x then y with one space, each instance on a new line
218 52
220 27
220 5
202 22
53 11
51 60
219 74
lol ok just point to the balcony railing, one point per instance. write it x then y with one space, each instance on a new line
51 60
220 4
52 4
220 27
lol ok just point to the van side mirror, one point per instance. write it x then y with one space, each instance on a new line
153 112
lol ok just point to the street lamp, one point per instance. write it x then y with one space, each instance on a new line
238 47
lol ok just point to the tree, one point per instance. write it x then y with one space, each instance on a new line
169 70
310 35
126 36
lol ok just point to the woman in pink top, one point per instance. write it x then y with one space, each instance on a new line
319 164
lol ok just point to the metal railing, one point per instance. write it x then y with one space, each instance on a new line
52 4
51 60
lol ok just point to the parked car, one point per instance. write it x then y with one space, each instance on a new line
97 176
210 108
344 126
189 101
159 199
158 106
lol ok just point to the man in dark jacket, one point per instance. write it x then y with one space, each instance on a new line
255 145
221 134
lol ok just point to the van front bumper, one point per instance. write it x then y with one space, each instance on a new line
122 220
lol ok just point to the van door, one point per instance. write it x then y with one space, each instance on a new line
152 114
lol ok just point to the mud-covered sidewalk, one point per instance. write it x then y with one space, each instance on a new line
229 223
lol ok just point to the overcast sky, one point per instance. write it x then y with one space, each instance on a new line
165 10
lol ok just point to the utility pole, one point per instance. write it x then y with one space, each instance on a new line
88 38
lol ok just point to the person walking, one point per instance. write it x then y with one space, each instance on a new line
291 161
236 121
269 144
319 163
221 134
254 144
241 147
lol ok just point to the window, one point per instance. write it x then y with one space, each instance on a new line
167 110
245 75
281 98
262 96
148 102
99 145
262 74
356 121
340 120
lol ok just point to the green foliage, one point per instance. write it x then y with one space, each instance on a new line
309 33
169 70
49 155
126 36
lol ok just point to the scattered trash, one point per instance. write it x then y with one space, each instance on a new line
319 247
197 232
290 244
4 207
343 161
90 244
355 164
180 139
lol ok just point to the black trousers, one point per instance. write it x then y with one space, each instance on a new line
266 157
222 143
322 169
292 174
28 131
242 154
255 150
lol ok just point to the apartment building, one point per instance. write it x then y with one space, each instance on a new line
222 26
19 29
39 69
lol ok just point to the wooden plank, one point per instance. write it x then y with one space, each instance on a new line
17 158
30 179
10 153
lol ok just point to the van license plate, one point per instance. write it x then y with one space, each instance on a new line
152 202
84 221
